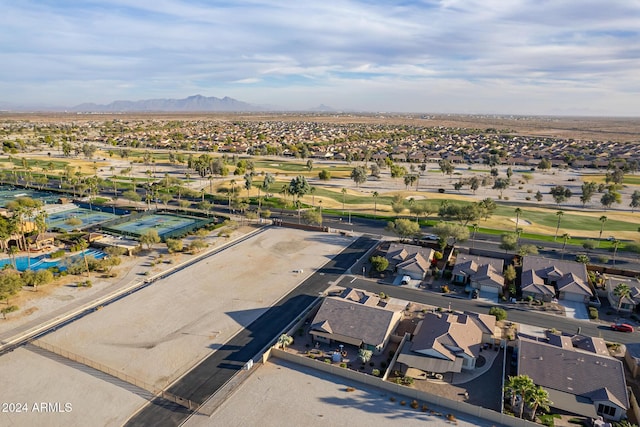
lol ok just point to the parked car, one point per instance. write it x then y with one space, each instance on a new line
406 280
429 237
622 327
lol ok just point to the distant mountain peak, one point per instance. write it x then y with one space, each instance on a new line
322 108
194 103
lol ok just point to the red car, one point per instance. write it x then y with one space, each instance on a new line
622 327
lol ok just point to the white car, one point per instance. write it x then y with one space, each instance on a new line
406 280
430 237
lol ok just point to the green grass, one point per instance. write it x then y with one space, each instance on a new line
283 166
17 161
569 220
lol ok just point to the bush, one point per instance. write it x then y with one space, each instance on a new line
379 263
375 372
593 313
57 254
498 312
440 190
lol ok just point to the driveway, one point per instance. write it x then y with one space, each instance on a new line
575 310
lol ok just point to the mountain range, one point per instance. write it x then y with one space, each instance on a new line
195 103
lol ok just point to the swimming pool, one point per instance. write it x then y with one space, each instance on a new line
43 262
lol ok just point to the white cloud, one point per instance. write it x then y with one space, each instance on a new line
417 56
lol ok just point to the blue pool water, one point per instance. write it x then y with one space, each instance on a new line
42 262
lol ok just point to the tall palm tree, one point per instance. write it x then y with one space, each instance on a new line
559 214
475 227
344 193
602 220
312 190
538 399
622 291
375 203
518 211
615 243
565 238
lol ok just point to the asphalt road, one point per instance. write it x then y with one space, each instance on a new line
514 314
206 378
624 260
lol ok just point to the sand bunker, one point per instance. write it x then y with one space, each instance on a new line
521 221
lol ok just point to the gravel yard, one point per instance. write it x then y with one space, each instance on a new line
280 393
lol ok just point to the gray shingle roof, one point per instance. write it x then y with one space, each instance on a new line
352 319
572 370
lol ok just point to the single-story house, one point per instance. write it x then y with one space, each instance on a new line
447 342
409 260
632 358
630 302
41 241
480 272
355 318
545 278
577 372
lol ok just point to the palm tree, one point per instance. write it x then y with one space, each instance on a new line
519 386
565 238
375 203
312 190
284 341
475 230
602 220
344 193
83 245
560 214
518 211
538 398
622 291
233 191
615 243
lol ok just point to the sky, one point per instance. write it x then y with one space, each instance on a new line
525 57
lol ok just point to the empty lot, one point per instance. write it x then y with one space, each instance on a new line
161 331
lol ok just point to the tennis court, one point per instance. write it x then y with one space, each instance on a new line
8 194
58 220
163 224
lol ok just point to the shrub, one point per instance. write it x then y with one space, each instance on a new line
445 289
57 254
440 190
498 312
343 365
375 372
593 313
414 404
